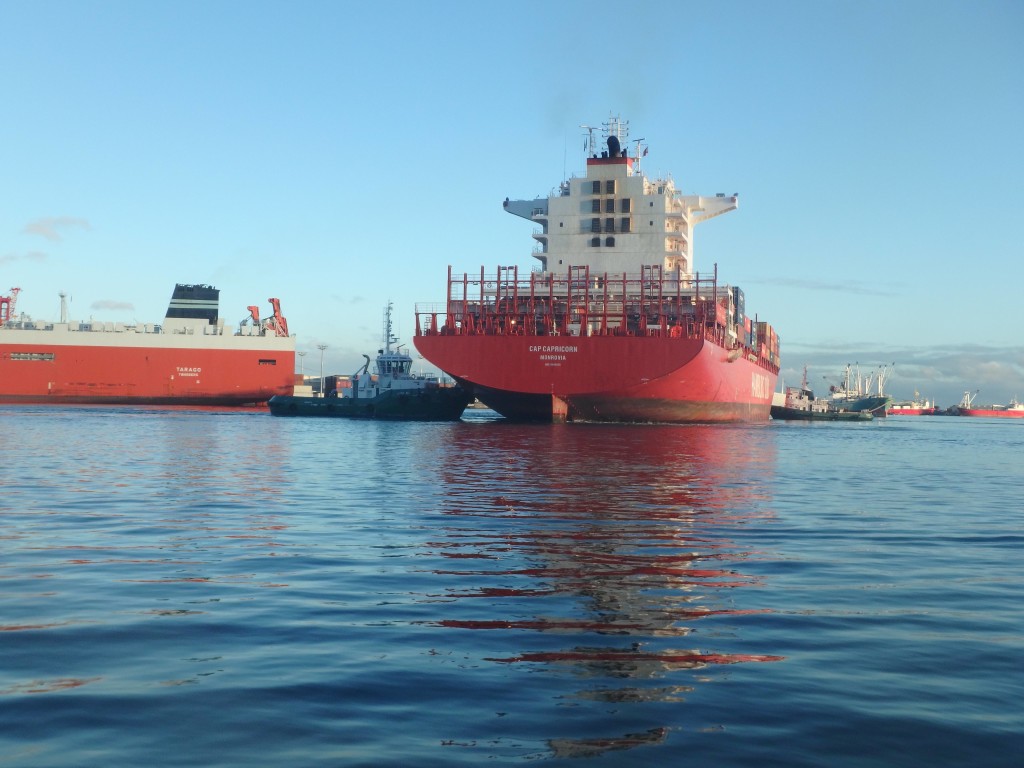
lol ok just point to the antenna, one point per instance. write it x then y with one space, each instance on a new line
389 337
617 128
636 152
589 147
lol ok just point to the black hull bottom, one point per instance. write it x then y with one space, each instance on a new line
526 407
443 404
795 414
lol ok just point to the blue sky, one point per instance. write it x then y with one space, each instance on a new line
341 155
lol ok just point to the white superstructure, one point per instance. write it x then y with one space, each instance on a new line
615 218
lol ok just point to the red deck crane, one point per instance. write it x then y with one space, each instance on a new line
7 305
280 324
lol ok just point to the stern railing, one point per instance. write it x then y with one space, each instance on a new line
579 302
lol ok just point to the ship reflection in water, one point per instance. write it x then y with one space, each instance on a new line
603 552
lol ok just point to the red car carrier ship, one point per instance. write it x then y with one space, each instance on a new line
616 325
192 358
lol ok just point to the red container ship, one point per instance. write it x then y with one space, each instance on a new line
192 358
616 325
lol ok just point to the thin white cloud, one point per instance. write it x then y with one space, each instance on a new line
8 258
53 227
109 304
840 286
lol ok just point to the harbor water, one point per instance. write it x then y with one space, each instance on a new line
225 588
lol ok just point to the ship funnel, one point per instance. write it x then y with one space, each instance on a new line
614 149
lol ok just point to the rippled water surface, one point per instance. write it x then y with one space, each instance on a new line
223 588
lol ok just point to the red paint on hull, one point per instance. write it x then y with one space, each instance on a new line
210 375
993 413
606 378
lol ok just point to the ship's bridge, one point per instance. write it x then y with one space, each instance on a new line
615 219
533 210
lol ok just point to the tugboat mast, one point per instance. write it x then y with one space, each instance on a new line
389 336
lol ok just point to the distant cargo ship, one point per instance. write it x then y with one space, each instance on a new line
800 404
616 325
1014 410
915 407
854 393
191 358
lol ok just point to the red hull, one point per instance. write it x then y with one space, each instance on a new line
990 412
912 412
605 378
209 375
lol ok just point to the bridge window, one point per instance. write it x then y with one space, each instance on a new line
610 242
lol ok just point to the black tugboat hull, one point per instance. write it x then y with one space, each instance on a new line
434 404
798 414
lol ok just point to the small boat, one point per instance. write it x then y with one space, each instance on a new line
393 392
799 403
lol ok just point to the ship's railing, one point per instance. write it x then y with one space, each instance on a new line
580 303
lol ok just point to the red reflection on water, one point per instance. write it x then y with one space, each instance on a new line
48 686
605 531
545 625
23 627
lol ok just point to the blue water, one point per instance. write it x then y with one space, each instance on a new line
223 588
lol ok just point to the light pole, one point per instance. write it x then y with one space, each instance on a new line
321 347
302 367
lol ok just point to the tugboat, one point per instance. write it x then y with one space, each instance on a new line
392 393
799 403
